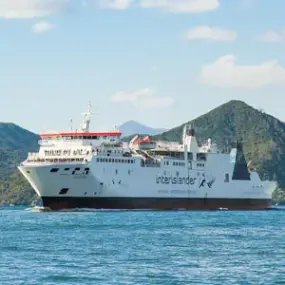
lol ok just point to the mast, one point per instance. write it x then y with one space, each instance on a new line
86 119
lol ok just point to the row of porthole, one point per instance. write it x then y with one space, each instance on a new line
175 163
115 160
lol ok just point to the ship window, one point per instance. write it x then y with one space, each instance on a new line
54 170
97 159
116 160
113 160
77 168
129 161
227 177
66 169
201 156
190 156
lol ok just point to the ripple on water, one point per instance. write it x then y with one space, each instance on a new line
133 247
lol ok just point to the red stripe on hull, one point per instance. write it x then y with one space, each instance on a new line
58 203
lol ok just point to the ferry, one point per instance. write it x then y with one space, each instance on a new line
98 170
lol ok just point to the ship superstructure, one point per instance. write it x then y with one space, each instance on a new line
84 169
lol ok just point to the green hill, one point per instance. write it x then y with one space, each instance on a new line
263 137
13 137
15 143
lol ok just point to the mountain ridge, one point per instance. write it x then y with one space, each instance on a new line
132 127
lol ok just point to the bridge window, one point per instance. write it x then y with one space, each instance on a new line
54 170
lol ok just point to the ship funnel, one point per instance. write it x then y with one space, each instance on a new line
189 141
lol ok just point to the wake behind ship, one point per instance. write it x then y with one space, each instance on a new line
86 169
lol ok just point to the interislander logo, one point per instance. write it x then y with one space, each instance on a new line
169 179
175 180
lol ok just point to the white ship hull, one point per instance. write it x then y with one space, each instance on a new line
112 187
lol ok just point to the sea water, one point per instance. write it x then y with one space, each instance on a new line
141 247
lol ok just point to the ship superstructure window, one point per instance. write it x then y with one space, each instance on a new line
201 156
227 177
54 170
190 156
200 164
178 163
116 160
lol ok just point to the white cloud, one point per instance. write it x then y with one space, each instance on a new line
144 98
42 27
116 4
175 6
225 72
182 6
272 37
11 9
211 33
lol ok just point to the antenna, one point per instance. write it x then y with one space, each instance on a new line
71 125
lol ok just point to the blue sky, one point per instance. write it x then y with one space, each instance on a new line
159 62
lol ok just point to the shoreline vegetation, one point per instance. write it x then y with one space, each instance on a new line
263 138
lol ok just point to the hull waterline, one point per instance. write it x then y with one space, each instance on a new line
60 203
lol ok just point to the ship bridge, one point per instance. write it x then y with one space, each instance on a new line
78 145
